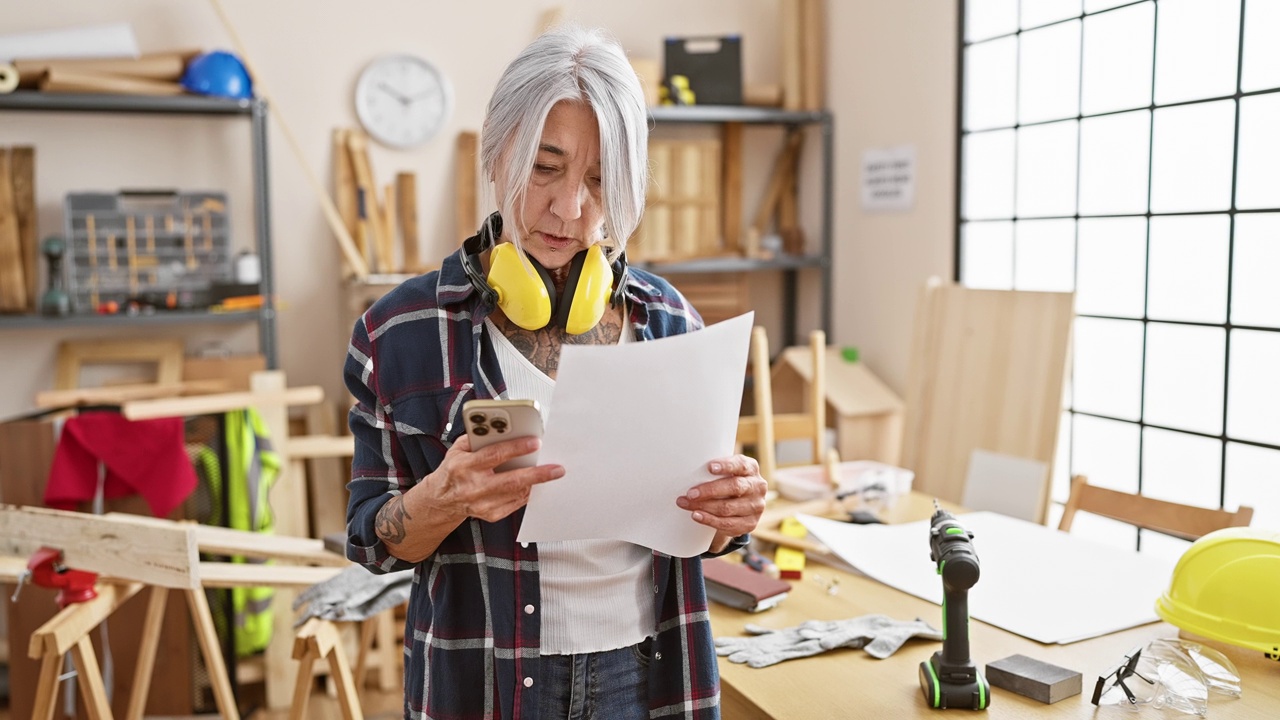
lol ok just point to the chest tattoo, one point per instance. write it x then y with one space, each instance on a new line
542 347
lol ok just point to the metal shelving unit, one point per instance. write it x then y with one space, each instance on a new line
256 111
789 265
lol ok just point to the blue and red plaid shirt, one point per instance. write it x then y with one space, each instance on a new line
472 638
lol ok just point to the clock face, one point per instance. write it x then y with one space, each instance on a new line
402 100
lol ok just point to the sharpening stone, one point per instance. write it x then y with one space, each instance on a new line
1033 678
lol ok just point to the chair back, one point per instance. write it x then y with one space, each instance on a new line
1182 521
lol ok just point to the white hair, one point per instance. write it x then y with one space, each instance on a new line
578 65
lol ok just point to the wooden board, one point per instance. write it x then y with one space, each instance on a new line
345 192
22 167
987 368
813 54
235 370
77 81
370 220
13 286
731 186
465 210
407 215
792 56
155 554
157 66
716 296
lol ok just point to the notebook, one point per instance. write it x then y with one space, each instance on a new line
738 586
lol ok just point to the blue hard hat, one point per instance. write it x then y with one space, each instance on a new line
218 73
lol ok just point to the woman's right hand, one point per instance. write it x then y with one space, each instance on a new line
466 483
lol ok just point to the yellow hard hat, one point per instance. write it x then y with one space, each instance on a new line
1225 587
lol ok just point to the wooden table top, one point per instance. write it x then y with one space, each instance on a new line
849 684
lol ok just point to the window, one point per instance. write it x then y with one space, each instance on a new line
1127 151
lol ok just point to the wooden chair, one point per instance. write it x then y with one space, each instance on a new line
987 371
1181 521
766 428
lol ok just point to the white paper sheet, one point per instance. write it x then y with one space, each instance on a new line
109 40
634 426
1035 581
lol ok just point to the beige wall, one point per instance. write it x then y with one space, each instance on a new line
892 66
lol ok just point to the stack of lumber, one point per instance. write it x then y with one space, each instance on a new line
151 74
375 216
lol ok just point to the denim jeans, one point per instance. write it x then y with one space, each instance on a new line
609 685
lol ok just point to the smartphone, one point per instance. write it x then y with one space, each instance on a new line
491 421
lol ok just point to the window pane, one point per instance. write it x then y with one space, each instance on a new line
1191 169
988 175
1253 479
1181 468
1197 49
988 255
1107 369
1106 451
1047 169
1117 59
1061 484
1258 171
990 84
1112 267
1114 168
1096 5
1261 53
1253 399
989 18
1255 294
1049 73
1045 255
1189 268
1185 364
1039 12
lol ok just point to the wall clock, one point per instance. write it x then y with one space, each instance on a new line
402 100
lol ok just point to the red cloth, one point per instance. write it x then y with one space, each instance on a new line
147 457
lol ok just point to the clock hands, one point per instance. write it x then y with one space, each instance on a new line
401 98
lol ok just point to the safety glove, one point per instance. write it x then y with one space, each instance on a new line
353 594
879 635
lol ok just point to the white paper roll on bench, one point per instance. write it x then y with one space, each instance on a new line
8 78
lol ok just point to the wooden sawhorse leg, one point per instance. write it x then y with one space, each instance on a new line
318 639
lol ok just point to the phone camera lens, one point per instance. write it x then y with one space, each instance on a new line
477 418
499 425
480 430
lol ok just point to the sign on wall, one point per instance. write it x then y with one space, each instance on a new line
889 178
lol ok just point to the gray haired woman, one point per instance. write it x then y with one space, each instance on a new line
499 628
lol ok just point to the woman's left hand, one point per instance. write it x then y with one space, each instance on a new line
731 503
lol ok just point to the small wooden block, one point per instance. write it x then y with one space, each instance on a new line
1033 678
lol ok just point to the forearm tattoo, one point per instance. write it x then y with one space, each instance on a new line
391 519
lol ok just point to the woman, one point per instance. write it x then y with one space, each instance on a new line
497 628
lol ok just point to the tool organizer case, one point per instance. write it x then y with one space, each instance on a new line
146 244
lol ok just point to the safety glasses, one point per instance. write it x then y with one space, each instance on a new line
1172 674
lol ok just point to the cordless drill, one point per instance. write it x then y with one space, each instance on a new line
949 679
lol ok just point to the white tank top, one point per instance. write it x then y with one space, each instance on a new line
596 594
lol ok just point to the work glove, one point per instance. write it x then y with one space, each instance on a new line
353 594
879 635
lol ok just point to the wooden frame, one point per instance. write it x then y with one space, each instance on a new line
765 427
1181 521
73 355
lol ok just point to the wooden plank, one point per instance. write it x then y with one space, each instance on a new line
47 687
143 552
389 226
221 402
370 214
22 166
228 575
792 62
154 66
731 186
466 216
328 460
235 370
119 394
987 368
301 550
322 446
813 54
407 216
89 677
75 81
13 285
345 192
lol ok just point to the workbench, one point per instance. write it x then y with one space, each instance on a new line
851 685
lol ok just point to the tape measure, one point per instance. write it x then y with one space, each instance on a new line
790 561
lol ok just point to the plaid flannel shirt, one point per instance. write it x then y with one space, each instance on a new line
472 634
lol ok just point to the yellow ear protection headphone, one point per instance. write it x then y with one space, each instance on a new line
523 289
